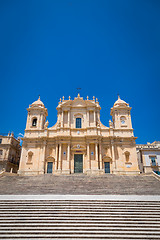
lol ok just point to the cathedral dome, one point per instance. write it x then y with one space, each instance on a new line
120 102
38 103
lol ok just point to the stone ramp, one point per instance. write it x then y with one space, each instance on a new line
80 184
80 217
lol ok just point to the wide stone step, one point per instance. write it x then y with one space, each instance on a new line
66 231
81 236
77 225
47 221
77 203
82 217
80 208
78 214
76 228
61 199
89 219
79 211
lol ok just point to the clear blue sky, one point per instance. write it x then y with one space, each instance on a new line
105 47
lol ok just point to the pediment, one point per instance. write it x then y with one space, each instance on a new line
78 103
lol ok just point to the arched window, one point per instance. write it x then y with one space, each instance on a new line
78 123
34 122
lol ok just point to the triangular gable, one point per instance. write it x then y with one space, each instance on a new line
78 102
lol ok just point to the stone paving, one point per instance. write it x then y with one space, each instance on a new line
80 184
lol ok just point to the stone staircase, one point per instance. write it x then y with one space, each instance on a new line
80 184
79 219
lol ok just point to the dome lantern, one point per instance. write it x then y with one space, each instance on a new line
37 103
120 103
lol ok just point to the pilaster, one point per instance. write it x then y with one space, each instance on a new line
100 155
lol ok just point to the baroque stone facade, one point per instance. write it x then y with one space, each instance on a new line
79 142
10 151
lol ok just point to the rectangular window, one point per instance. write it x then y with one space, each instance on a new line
1 152
0 140
78 123
153 161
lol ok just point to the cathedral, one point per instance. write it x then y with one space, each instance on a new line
79 142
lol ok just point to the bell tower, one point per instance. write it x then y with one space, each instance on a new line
121 116
37 114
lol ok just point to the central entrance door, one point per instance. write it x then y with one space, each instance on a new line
107 167
78 163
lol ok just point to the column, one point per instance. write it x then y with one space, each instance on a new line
69 118
96 154
60 154
94 118
96 151
100 156
88 156
62 119
87 118
56 158
68 157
